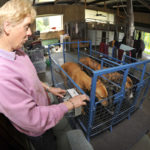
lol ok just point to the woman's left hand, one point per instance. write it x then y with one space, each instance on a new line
57 91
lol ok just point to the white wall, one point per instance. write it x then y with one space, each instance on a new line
96 36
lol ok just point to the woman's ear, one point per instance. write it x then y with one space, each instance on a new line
7 28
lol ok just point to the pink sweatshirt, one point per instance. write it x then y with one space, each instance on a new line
22 98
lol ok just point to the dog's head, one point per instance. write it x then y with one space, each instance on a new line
101 92
129 83
90 63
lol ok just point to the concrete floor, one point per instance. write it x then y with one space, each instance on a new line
144 142
127 135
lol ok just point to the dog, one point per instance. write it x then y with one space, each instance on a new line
115 76
83 80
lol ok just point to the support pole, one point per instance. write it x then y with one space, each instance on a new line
130 24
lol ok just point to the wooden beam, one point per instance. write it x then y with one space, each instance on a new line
96 1
144 3
85 4
130 23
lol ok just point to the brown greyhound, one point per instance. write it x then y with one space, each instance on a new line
84 81
111 76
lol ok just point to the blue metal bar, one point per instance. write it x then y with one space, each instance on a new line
143 72
82 125
124 81
92 105
110 61
93 134
140 70
118 68
107 56
64 52
64 43
117 110
119 98
86 67
78 50
70 42
90 46
51 69
117 85
129 57
138 89
145 92
139 86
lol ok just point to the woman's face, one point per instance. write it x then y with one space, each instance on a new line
19 33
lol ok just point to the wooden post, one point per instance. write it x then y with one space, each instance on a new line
130 24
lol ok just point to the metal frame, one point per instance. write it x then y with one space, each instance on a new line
119 97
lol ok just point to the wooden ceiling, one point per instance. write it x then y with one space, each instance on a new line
138 5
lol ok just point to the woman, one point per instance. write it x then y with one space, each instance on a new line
23 99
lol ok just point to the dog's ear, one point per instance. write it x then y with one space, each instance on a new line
101 90
99 82
129 83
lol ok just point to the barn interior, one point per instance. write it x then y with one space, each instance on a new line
107 31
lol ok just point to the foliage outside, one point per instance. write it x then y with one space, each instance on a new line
145 36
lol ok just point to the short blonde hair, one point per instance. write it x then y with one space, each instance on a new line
14 11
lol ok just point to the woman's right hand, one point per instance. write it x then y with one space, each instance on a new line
76 101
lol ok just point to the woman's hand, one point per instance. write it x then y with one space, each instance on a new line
76 101
57 91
